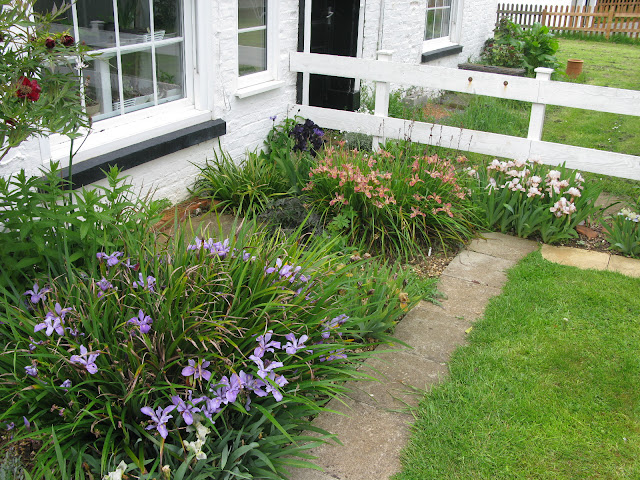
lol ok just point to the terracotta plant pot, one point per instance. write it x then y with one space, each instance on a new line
574 67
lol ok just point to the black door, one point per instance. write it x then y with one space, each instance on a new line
334 31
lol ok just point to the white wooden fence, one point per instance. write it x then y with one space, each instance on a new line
541 91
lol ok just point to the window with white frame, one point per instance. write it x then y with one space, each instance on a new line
257 41
439 18
137 49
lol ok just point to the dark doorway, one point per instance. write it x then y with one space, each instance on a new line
334 31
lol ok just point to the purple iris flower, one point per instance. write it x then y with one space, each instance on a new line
333 324
36 293
280 381
211 406
27 423
252 383
104 285
149 285
334 355
160 418
220 248
265 344
197 245
66 384
10 426
86 359
31 370
270 270
130 266
186 409
197 369
51 324
273 118
112 260
293 345
143 321
263 370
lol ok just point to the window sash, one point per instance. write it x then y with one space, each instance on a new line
438 19
109 67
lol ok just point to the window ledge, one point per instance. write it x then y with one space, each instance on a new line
91 170
259 88
441 52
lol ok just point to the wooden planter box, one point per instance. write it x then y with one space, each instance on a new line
476 67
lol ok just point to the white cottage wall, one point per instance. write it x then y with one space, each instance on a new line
403 25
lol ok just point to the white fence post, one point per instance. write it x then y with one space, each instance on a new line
536 121
382 98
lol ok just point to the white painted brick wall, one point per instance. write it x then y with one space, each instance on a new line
404 23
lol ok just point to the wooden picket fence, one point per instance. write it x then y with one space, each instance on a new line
615 17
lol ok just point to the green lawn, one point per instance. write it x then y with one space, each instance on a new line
548 387
608 65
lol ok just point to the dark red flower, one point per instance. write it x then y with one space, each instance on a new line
50 43
67 40
28 89
10 121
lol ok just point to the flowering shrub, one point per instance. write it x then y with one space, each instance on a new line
394 200
529 198
502 55
624 232
40 73
203 360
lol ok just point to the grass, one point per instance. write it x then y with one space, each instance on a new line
609 65
548 387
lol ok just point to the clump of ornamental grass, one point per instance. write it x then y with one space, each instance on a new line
204 360
397 200
528 198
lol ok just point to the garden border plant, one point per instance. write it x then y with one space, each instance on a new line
96 355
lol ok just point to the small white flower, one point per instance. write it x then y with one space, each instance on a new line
117 473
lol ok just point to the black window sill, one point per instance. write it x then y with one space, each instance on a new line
441 53
91 170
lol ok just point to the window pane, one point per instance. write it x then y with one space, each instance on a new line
252 52
169 72
166 16
101 87
446 14
437 24
252 13
430 22
137 81
431 4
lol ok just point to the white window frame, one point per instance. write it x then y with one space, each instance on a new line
455 21
268 79
115 133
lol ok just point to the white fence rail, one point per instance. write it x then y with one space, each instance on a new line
540 91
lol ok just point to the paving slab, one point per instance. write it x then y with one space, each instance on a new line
575 257
503 246
403 380
308 474
432 336
372 440
479 268
463 299
624 265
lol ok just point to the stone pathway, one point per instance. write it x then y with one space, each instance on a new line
373 423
